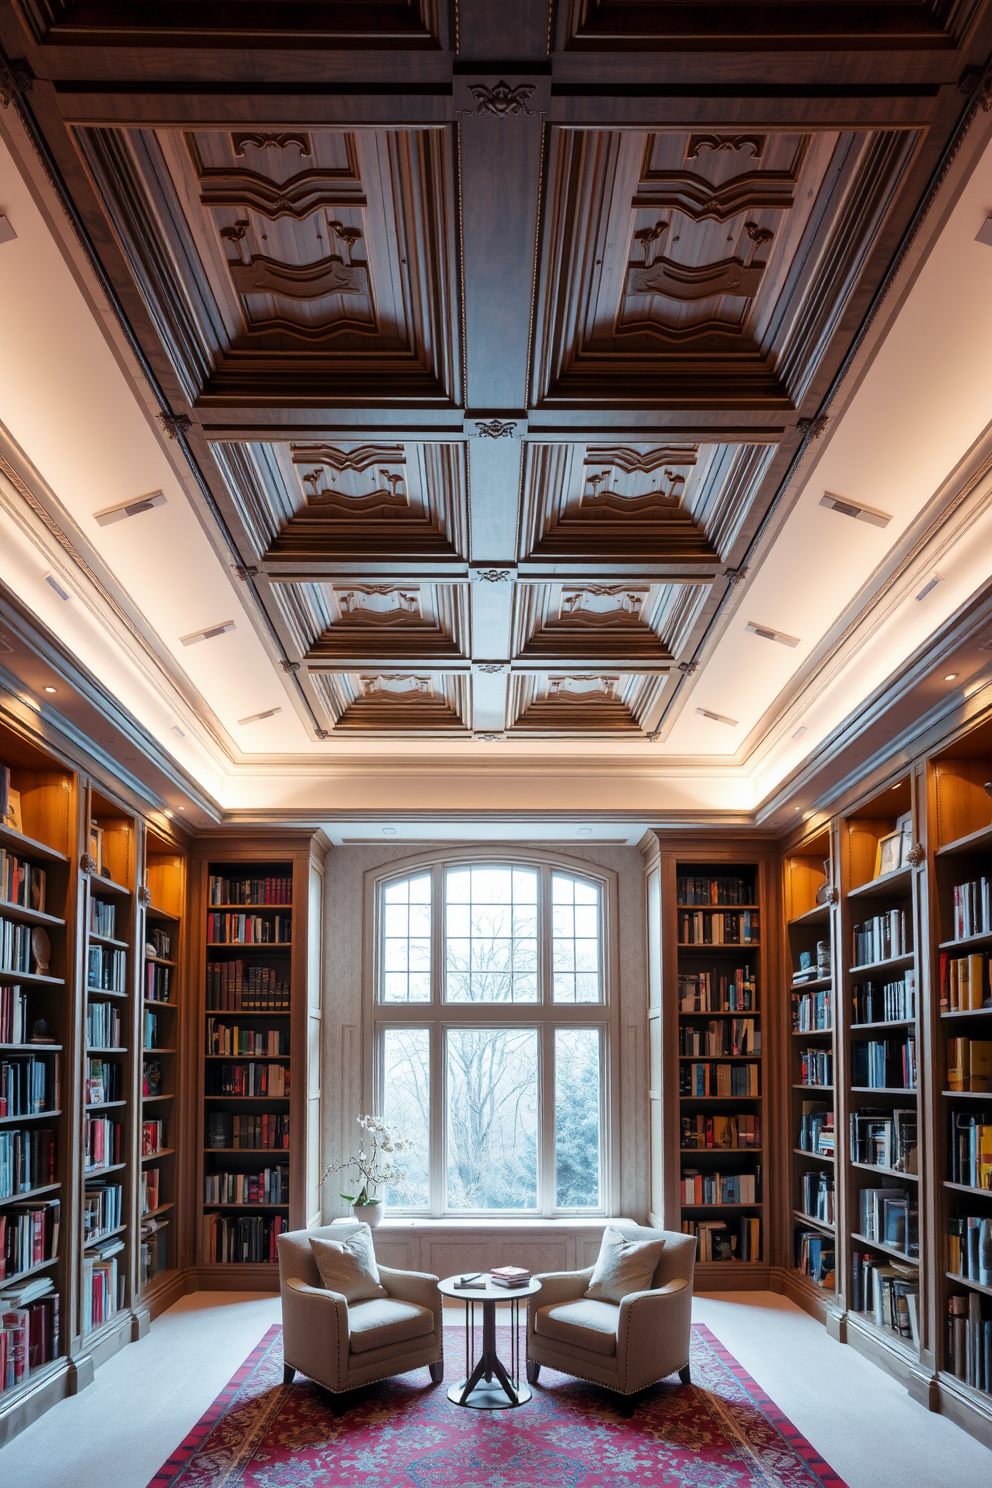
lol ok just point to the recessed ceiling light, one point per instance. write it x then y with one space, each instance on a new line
180 808
717 717
585 831
389 831
51 689
845 507
797 808
208 634
768 634
950 676
129 508
167 813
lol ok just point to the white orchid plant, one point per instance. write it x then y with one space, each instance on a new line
378 1160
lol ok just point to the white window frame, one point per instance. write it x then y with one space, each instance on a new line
544 1015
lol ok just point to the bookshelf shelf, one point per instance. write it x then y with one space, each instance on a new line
30 978
107 940
30 1048
10 1281
982 1193
886 1023
820 1224
162 1152
889 1172
967 1012
975 1286
818 1157
888 1250
884 1090
826 1089
885 886
983 939
819 914
891 963
18 842
29 1116
12 911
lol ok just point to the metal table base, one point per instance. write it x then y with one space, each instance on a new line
487 1384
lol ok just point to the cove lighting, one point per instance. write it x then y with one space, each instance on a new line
768 634
717 717
845 507
257 717
129 509
211 631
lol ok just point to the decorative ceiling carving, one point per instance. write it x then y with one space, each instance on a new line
684 268
395 702
580 703
294 266
336 624
642 626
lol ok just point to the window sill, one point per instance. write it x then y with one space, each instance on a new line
480 1222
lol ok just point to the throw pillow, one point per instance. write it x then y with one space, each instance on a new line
348 1266
624 1265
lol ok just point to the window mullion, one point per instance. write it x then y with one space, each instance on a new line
437 1183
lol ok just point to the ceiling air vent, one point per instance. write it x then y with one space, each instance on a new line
57 585
717 717
209 634
257 717
931 583
768 634
129 509
856 509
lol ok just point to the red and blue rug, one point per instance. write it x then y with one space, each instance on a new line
721 1432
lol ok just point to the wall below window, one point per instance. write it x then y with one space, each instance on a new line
344 1048
443 1247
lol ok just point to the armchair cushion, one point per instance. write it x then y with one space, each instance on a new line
348 1266
584 1324
625 1265
385 1321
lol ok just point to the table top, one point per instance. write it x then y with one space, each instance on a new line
485 1290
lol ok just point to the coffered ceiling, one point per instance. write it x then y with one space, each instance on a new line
493 402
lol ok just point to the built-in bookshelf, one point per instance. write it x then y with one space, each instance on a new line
37 884
161 1041
720 1005
110 1095
878 1102
812 1030
961 916
259 1014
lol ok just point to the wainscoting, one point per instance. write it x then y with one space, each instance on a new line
445 1247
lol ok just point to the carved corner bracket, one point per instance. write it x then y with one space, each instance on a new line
88 864
16 77
916 856
175 424
144 895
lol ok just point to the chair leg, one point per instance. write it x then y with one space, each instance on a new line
340 1403
685 1375
288 1374
625 1405
437 1372
533 1372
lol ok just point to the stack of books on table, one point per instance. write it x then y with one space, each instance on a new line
509 1276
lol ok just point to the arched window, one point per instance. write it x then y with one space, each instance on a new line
491 1019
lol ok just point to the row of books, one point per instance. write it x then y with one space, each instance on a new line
720 1188
711 1133
813 1012
22 882
102 1142
816 1129
969 1247
15 1016
885 1139
719 1080
884 1064
158 942
969 1064
104 1028
249 1080
886 1002
103 1209
810 969
103 918
102 1291
259 1133
227 1038
737 1239
248 929
972 909
718 927
722 888
151 1038
881 938
29 1084
888 1292
106 969
969 1341
152 1255
29 1338
248 1238
15 945
236 987
29 1236
890 1216
158 981
718 992
151 1189
964 983
815 1257
27 1159
267 890
816 1067
817 1195
104 1081
152 1137
971 1148
269 1186
721 1036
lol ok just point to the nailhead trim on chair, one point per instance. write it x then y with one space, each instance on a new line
392 1374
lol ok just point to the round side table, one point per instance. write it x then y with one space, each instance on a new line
488 1385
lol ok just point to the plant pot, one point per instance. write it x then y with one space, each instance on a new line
371 1214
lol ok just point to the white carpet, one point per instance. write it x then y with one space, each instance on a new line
118 1433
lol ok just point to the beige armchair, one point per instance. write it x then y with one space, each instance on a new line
343 1346
625 1347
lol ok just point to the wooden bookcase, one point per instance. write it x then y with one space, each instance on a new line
961 842
808 880
44 841
267 993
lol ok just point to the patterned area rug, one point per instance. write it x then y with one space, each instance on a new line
721 1432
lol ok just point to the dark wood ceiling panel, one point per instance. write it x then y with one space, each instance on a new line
290 267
